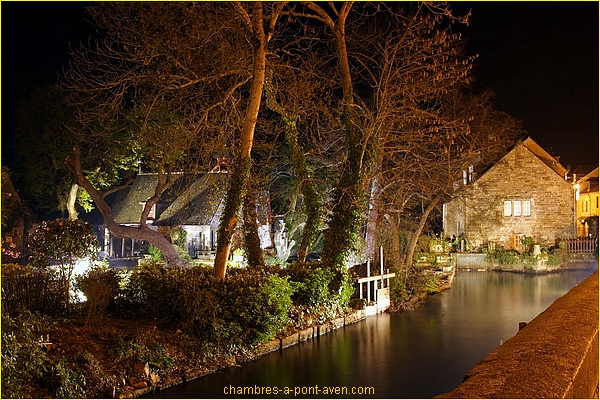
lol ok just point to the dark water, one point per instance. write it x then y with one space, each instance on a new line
416 354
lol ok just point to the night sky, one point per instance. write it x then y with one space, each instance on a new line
541 59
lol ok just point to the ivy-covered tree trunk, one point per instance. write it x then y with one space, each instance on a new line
373 212
348 203
251 237
239 179
304 176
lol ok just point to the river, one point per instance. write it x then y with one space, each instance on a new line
417 354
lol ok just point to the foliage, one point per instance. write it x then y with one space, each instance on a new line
154 252
502 256
131 351
178 238
319 291
100 285
23 359
64 382
527 243
63 241
249 307
33 289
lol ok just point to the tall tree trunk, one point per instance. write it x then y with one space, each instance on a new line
306 184
348 199
395 239
71 199
410 251
241 172
251 237
143 232
373 212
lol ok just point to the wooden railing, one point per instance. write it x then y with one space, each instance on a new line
581 245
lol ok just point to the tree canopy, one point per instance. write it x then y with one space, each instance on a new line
371 101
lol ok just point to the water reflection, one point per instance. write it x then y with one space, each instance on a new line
416 354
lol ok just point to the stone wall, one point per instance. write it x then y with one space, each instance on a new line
554 356
518 177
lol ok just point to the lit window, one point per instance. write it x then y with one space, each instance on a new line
152 213
507 208
526 208
517 208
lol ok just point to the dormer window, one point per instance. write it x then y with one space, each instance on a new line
152 213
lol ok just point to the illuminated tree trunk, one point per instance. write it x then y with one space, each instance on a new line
410 251
306 184
142 232
71 199
241 172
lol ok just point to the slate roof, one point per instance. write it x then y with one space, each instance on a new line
128 203
200 204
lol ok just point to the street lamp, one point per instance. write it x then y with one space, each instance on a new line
575 199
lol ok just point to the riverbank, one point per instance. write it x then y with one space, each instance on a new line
532 269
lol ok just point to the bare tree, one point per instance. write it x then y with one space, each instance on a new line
428 168
259 35
162 86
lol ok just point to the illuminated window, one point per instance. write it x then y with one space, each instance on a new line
507 208
517 208
526 208
152 214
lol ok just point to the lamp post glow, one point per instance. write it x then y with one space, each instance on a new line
575 199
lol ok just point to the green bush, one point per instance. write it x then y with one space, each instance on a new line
33 289
23 359
319 291
249 307
100 285
63 241
131 351
502 256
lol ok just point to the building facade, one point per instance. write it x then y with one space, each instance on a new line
586 193
526 193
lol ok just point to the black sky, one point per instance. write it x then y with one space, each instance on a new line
541 59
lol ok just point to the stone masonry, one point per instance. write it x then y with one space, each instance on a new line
545 209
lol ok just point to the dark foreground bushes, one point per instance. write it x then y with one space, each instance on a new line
150 315
251 306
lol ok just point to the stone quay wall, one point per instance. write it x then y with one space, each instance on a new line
554 356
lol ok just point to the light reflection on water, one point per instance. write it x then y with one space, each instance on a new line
416 354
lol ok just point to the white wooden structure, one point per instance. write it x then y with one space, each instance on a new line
375 289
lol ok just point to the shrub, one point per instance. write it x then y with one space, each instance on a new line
23 359
63 241
502 256
320 291
33 289
249 307
131 351
100 285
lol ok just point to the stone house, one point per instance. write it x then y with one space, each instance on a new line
193 203
526 193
